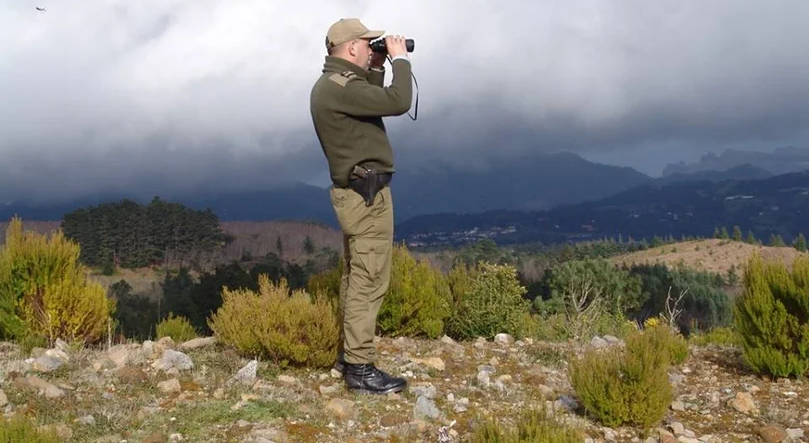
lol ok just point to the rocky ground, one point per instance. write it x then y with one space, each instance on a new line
199 391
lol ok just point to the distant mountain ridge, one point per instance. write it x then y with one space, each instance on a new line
537 181
780 161
778 205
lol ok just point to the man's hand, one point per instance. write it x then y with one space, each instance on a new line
377 60
396 45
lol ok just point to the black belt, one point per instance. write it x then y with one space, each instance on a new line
368 182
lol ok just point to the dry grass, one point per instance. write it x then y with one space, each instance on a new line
712 255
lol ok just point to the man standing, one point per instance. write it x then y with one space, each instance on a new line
348 102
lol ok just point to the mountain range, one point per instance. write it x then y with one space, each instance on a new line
536 182
777 205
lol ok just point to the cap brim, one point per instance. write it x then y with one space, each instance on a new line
373 34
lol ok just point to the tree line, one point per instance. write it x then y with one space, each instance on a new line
128 234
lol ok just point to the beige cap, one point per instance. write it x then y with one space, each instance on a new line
347 29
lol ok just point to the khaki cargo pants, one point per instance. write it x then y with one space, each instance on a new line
368 243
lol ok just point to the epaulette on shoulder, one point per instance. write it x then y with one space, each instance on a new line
341 78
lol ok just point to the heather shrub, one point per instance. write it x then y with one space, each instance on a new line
627 385
666 339
417 301
44 289
176 327
533 426
289 329
723 336
487 300
21 429
772 317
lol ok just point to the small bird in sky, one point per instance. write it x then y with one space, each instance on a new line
40 9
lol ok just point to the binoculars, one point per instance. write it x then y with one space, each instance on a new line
379 45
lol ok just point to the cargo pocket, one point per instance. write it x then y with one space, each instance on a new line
373 255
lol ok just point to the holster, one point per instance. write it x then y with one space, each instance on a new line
369 182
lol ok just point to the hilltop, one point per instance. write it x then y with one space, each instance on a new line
711 255
201 391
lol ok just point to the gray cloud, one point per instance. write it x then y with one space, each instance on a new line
173 95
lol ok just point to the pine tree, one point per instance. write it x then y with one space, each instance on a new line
800 243
771 317
717 233
724 235
750 238
737 233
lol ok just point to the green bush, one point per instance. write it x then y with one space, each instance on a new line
772 317
534 426
487 300
665 339
723 336
287 329
178 328
624 386
20 429
417 301
44 289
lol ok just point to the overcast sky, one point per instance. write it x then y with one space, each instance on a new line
172 95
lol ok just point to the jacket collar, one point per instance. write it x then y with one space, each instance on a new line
337 64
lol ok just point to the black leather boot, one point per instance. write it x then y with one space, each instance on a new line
367 379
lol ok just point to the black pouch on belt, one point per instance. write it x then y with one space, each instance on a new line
368 183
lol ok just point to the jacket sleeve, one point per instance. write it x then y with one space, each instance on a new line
376 78
363 99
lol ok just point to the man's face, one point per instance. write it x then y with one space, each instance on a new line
363 52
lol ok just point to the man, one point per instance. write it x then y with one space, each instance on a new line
348 102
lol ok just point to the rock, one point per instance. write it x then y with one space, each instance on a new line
677 428
47 363
169 386
773 433
684 439
87 420
598 342
462 405
743 402
198 342
335 373
41 386
328 390
428 390
172 359
795 433
341 409
447 340
431 362
503 338
611 339
677 406
3 399
425 408
246 376
483 379
287 380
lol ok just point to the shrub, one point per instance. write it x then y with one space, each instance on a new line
491 302
44 289
534 426
178 328
21 429
593 294
624 386
417 302
772 317
720 335
665 339
288 329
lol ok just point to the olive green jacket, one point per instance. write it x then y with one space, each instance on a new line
347 105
